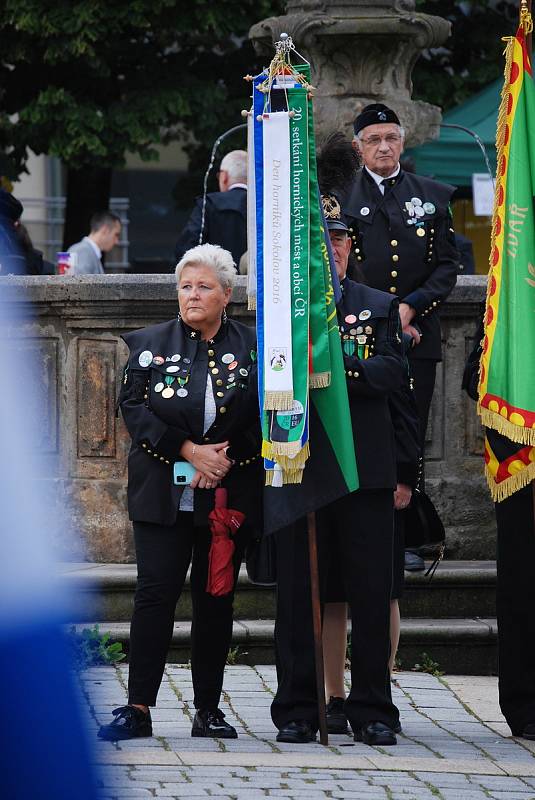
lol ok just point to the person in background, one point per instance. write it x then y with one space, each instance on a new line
104 234
225 218
35 263
12 259
467 265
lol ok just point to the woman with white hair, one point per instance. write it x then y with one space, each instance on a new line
189 395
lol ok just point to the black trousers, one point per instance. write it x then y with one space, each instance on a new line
423 372
163 556
515 602
356 530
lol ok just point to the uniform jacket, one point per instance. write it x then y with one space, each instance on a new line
373 360
87 261
173 355
225 223
412 255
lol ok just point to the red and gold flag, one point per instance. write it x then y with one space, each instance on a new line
507 374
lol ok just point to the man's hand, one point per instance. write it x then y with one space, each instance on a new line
406 314
414 332
402 496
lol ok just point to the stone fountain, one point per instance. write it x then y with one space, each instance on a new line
360 52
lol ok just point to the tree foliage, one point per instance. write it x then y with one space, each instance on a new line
89 81
473 55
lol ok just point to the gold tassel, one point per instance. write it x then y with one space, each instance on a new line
267 450
269 477
294 455
498 423
510 485
320 380
278 401
251 302
291 452
292 476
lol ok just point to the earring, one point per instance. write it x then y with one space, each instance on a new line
179 317
224 316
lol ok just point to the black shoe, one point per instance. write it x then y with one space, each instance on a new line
211 723
297 731
129 723
413 562
397 727
377 734
527 732
336 718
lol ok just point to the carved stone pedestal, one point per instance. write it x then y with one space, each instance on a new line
360 53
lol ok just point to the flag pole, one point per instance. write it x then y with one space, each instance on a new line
317 626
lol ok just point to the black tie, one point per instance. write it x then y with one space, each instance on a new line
388 183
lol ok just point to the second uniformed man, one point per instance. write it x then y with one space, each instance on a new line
356 531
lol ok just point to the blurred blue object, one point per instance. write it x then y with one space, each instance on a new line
44 753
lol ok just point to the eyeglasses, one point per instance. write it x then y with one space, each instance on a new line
374 141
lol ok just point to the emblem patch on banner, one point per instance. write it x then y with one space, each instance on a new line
277 358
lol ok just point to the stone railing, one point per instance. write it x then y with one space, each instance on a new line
72 326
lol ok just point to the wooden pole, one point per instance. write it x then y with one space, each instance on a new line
317 627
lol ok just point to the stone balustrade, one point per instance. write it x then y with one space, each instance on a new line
71 327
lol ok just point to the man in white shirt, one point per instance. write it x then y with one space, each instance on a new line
103 237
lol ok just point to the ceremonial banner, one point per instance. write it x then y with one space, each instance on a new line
298 338
507 373
285 431
278 383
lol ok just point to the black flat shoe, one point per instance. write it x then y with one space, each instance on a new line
298 731
129 723
336 718
211 724
376 734
527 732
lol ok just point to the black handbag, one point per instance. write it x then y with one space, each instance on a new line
260 560
424 528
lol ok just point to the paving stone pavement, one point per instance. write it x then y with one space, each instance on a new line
455 745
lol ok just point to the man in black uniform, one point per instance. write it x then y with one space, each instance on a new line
225 217
403 239
355 531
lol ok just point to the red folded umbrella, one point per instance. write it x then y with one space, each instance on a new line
224 522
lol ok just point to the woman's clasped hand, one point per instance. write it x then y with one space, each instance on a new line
210 461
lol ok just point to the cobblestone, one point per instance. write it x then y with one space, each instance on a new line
459 755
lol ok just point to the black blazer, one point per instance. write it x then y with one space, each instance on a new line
417 261
373 360
173 354
225 224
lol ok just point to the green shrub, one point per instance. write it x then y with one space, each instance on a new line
427 664
90 648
